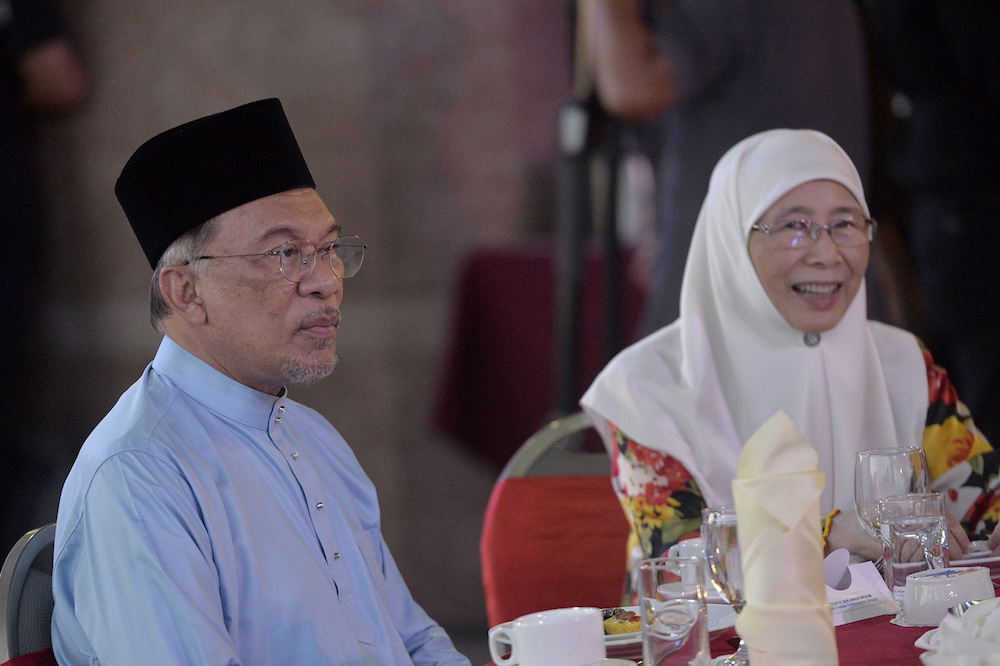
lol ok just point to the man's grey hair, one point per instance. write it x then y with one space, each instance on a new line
186 248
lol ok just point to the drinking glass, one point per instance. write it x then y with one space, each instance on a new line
880 473
722 552
672 608
914 535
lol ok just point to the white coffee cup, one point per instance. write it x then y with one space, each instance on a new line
929 594
693 547
559 637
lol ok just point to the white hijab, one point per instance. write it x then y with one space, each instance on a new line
699 388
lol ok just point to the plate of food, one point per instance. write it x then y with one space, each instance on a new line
623 624
623 628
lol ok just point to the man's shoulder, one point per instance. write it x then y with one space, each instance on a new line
135 423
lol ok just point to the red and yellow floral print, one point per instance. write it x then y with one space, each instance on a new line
949 443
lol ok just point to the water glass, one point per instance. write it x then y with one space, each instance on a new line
914 536
883 472
722 552
672 608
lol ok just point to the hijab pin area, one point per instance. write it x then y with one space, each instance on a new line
811 339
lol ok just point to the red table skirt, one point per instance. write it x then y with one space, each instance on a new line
862 643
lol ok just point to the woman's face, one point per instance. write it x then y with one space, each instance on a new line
811 286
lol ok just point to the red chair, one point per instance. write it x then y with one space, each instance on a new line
554 533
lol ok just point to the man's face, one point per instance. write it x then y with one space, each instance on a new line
261 329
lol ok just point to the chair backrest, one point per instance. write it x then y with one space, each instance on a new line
563 447
26 595
554 533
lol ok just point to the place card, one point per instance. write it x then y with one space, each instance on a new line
865 596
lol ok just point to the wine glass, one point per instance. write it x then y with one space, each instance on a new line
880 473
722 552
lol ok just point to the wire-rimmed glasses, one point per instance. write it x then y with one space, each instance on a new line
297 257
802 232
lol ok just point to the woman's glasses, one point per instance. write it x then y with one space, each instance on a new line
802 232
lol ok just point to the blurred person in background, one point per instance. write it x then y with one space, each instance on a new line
42 76
706 73
941 62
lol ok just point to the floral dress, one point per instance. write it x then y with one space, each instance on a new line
663 503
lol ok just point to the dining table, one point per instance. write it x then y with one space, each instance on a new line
875 640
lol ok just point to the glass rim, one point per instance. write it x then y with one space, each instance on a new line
892 449
903 497
649 562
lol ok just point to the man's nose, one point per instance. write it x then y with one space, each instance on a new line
321 282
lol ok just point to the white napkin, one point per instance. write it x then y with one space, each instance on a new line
787 618
970 640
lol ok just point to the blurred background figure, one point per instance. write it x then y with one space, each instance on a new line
940 60
41 76
700 75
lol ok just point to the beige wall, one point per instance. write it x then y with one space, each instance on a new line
423 123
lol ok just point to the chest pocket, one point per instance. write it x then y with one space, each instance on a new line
373 558
366 540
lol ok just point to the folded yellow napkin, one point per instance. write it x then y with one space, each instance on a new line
787 618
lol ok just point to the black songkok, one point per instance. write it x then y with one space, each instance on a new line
191 173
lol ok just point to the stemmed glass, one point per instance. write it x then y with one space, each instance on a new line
880 473
722 552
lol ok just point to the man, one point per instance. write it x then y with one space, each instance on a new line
209 519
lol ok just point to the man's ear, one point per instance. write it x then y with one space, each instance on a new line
179 287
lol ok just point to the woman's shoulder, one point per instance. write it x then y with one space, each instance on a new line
896 343
657 357
888 334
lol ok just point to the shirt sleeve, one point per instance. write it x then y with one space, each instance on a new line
705 41
662 501
959 458
426 641
134 582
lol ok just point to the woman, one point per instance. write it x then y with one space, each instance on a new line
773 317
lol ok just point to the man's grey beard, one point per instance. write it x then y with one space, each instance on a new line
302 372
297 371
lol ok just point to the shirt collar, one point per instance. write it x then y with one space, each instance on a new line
213 389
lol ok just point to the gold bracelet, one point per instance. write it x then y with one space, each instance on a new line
827 524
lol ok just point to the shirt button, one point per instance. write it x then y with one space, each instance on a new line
295 455
277 419
281 408
319 505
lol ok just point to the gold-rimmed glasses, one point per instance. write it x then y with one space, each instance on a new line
297 258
